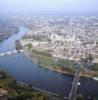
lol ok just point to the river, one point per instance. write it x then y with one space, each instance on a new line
22 69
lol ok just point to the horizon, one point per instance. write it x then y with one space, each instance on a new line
49 7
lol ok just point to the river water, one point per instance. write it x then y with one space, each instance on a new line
22 69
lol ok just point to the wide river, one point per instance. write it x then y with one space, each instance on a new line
22 69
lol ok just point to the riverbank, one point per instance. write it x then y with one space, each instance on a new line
15 90
34 59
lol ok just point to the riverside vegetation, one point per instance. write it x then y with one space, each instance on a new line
46 60
18 91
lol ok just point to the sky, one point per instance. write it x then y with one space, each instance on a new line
48 6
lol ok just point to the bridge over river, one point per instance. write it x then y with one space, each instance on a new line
75 83
73 92
11 52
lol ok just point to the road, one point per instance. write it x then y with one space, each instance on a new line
73 92
11 52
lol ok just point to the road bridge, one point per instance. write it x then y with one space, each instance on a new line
11 52
73 92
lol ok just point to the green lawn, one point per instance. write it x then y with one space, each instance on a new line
46 60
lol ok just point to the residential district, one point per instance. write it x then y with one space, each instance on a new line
64 37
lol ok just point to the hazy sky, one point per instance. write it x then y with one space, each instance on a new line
47 6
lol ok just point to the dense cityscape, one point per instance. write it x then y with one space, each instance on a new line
48 50
56 44
64 36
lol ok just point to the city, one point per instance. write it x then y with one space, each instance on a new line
48 50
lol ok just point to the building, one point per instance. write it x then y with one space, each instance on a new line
3 94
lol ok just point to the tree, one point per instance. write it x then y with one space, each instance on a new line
29 45
30 86
79 97
89 58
